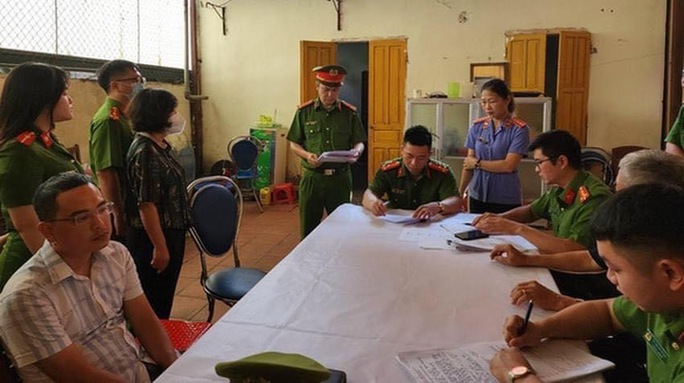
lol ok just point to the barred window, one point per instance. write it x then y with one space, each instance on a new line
145 31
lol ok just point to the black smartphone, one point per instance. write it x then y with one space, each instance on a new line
336 376
470 235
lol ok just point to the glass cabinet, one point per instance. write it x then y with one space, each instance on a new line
450 118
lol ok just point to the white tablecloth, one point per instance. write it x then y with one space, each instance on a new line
352 296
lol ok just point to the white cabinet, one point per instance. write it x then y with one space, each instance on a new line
450 118
447 118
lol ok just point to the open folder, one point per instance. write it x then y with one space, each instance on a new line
553 361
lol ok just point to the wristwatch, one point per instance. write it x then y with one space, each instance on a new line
518 372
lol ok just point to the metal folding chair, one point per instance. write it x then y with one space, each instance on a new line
216 209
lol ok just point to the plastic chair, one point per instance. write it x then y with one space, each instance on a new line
183 333
244 152
598 162
216 209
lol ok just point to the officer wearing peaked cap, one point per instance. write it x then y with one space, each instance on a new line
323 124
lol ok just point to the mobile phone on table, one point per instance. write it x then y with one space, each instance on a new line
336 376
470 235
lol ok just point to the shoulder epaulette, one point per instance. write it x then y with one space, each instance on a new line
583 193
438 166
481 119
26 138
306 104
115 113
518 122
390 165
348 105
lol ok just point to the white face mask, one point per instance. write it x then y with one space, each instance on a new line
177 124
135 89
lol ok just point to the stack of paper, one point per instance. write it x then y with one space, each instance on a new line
338 156
553 361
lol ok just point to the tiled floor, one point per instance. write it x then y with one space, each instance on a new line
264 239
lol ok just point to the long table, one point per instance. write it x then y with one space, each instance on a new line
352 296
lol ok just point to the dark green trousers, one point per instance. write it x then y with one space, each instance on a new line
317 192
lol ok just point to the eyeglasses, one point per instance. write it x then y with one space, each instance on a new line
83 217
537 163
136 79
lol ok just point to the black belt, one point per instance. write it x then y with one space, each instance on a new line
330 171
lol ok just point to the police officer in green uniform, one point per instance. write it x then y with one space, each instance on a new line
320 125
674 142
34 98
568 205
414 181
111 136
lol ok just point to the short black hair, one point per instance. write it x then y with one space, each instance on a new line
501 89
556 143
45 197
114 67
646 221
149 110
418 135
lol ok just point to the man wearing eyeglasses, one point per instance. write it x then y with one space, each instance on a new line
66 312
111 135
568 205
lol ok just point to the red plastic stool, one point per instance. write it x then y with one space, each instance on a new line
182 333
283 193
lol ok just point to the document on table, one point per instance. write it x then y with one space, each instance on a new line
553 361
403 217
338 156
488 243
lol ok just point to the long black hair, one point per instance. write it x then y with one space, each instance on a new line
29 90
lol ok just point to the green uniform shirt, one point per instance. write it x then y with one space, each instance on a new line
676 134
23 167
318 130
435 183
109 140
570 210
665 356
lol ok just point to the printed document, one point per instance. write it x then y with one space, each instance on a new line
554 360
338 156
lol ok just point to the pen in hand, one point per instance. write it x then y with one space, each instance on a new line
522 330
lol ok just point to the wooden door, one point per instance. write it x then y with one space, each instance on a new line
574 49
386 101
311 55
527 57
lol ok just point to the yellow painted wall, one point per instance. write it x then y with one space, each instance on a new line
253 70
88 97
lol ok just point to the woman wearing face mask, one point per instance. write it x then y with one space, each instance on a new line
158 208
496 144
34 98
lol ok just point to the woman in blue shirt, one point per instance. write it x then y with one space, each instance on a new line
496 144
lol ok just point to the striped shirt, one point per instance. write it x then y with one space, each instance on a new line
46 307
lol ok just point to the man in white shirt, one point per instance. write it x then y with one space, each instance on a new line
63 315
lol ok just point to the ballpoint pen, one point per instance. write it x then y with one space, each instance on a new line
530 305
